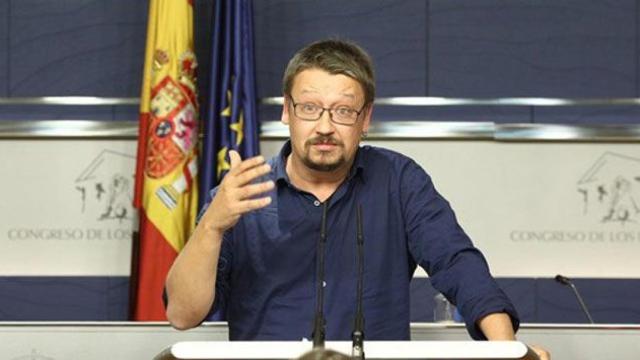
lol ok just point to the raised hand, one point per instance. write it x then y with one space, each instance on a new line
237 194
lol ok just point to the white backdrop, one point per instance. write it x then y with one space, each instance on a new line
66 207
535 209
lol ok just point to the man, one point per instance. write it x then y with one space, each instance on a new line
253 253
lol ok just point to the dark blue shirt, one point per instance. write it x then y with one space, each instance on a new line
266 284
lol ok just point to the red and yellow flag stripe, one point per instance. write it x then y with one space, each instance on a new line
166 186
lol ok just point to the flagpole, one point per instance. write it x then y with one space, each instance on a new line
133 278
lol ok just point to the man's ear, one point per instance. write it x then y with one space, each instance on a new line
366 120
285 111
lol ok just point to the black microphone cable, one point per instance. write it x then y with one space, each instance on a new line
319 322
357 350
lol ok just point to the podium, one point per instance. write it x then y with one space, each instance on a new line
428 350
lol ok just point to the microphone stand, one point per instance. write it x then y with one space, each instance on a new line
357 350
319 322
565 281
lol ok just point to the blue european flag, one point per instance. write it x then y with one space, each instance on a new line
230 113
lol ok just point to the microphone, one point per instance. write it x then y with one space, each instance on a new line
566 281
357 336
319 322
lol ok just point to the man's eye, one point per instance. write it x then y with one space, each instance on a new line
309 108
343 111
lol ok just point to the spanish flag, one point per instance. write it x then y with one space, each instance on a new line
166 189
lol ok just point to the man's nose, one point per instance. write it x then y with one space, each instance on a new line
324 124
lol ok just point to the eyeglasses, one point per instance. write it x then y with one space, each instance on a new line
343 115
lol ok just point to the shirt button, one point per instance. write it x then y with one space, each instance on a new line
316 203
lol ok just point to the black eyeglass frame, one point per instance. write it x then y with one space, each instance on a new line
330 110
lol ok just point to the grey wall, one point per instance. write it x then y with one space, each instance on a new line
452 48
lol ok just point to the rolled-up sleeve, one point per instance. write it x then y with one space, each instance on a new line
218 309
439 245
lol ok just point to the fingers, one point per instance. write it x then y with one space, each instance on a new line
230 203
253 204
252 174
541 352
235 158
252 190
238 194
238 165
243 199
244 172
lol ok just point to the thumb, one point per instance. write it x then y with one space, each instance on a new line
235 158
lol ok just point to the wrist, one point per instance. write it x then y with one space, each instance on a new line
497 326
208 234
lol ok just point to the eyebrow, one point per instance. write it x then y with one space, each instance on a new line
309 91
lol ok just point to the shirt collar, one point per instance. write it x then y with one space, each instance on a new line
280 164
357 169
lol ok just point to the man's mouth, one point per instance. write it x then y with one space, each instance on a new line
324 144
324 147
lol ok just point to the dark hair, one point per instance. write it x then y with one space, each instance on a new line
323 354
335 57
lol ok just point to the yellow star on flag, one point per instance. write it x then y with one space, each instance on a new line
223 164
227 111
238 127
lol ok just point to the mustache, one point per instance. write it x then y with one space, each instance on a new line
323 140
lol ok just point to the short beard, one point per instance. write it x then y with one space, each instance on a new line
324 167
328 167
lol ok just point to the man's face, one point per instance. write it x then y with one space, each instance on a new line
323 145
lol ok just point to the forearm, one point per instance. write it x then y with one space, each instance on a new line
497 326
191 280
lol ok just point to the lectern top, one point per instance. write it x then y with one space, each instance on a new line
431 350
